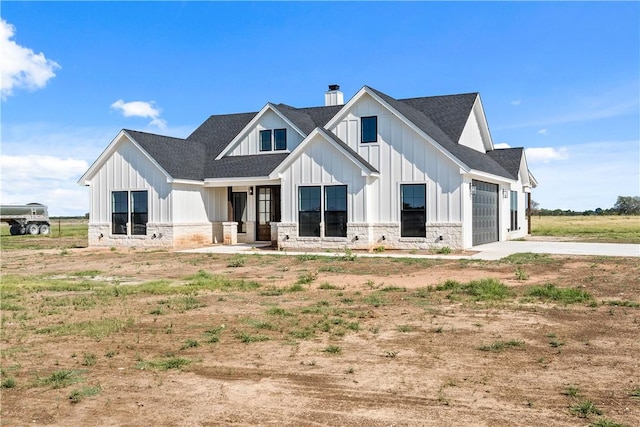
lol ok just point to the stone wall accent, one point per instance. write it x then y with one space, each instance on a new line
158 236
229 233
365 236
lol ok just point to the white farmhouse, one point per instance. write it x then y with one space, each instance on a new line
411 173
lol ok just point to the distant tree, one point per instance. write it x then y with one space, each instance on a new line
599 211
627 205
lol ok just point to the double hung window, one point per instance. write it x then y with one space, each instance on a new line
312 208
309 202
413 215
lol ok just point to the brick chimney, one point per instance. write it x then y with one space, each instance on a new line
333 96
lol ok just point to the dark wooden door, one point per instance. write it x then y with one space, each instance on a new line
268 210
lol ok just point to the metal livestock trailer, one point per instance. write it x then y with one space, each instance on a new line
32 218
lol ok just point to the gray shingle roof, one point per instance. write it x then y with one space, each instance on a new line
508 158
458 112
441 117
348 149
181 158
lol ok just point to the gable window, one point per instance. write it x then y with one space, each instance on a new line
514 210
335 211
369 129
309 211
413 215
265 140
280 139
129 207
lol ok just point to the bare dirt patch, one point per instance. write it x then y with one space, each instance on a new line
163 338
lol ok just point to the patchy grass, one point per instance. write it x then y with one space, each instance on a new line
77 395
499 346
163 364
479 290
562 295
60 378
584 409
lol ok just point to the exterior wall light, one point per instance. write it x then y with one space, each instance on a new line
472 188
505 193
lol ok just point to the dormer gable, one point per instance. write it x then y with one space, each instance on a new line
270 131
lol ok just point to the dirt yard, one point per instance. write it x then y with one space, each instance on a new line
133 338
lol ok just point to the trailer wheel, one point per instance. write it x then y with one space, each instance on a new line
33 229
14 230
44 228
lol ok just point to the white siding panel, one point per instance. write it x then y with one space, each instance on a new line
322 164
471 136
402 156
250 144
129 169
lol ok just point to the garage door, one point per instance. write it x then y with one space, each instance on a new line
485 213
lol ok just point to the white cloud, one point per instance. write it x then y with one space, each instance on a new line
546 154
44 179
21 67
591 175
141 109
516 102
543 132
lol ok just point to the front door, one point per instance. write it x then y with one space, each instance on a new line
268 210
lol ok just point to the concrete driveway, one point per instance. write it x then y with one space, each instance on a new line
498 250
490 251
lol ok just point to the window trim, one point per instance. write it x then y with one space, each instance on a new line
319 211
275 139
362 133
325 210
423 230
130 226
262 140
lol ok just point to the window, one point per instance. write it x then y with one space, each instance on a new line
139 212
137 215
119 212
413 216
335 211
239 203
265 140
369 131
309 211
514 210
280 138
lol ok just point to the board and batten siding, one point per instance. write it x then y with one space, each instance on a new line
128 169
250 143
323 164
194 204
471 135
402 156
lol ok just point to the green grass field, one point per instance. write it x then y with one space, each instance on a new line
605 229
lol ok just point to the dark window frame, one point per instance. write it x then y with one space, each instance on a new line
129 209
309 218
276 140
366 135
335 220
413 219
264 140
119 212
139 215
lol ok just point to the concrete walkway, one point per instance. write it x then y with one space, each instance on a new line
490 251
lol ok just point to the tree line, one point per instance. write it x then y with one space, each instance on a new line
625 205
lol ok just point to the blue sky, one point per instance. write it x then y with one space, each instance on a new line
561 79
